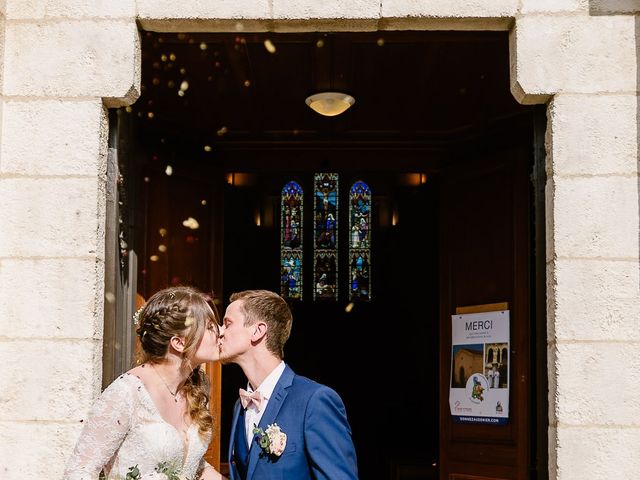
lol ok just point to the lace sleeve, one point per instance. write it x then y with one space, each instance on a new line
103 432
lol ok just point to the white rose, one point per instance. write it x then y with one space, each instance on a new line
277 440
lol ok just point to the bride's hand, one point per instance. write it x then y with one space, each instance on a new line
210 473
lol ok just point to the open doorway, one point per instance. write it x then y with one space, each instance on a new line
222 126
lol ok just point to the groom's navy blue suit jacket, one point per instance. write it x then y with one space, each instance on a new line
319 444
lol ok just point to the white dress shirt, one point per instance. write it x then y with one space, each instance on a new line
252 415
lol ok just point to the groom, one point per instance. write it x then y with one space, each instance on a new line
284 425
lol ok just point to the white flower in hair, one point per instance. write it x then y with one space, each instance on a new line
136 316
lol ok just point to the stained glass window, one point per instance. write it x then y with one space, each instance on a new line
325 255
360 241
291 204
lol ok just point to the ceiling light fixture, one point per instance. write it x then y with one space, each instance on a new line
330 104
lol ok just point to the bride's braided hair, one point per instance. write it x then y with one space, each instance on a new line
183 312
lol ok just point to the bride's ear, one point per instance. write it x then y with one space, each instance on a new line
177 343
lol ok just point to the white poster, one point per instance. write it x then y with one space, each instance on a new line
479 388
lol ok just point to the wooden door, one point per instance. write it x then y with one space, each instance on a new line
180 218
486 253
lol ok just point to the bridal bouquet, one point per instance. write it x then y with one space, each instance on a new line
164 471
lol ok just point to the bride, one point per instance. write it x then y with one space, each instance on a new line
155 419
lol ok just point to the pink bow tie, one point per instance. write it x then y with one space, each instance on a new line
247 398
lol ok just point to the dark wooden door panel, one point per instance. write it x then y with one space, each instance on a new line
472 477
485 259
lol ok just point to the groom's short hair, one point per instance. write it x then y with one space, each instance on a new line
270 308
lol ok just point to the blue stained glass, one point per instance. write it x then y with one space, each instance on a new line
360 275
326 210
326 229
291 280
291 210
360 241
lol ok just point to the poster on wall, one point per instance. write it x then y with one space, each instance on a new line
479 387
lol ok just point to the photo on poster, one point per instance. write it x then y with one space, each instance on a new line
467 360
496 365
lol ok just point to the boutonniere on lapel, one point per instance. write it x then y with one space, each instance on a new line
272 440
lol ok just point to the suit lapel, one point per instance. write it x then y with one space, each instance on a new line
234 423
273 407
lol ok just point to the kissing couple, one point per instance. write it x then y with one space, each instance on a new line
153 422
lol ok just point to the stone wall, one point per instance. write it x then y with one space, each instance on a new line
63 61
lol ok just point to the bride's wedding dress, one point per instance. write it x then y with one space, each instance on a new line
125 430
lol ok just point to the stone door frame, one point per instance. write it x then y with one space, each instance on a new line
65 62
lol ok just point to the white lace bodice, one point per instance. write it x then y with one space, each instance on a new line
125 429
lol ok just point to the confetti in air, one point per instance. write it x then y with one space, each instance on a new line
191 223
268 44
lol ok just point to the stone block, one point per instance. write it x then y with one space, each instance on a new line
596 453
595 217
203 25
3 24
42 9
54 137
328 9
449 8
613 7
593 135
99 58
553 6
553 449
597 384
51 298
572 54
36 450
552 375
204 16
51 217
596 300
448 15
344 24
49 380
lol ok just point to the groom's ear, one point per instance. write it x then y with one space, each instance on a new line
177 343
259 331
